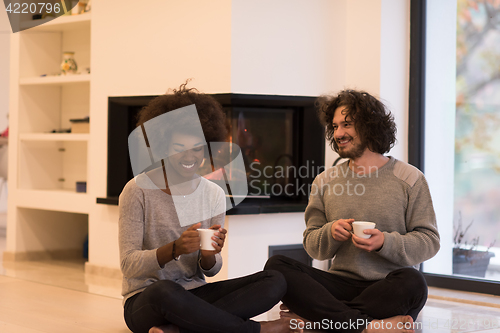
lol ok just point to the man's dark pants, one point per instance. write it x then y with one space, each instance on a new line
317 295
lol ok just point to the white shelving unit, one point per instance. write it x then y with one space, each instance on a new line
53 137
47 164
54 80
55 200
62 23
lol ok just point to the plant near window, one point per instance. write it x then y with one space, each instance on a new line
467 258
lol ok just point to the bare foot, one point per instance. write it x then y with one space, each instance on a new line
282 325
291 315
283 307
164 329
397 324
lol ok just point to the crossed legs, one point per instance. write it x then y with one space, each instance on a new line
224 306
318 295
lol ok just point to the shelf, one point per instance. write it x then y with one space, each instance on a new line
61 23
54 137
55 80
56 200
48 166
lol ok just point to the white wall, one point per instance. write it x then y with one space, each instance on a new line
377 57
5 32
375 54
395 68
286 47
250 236
362 45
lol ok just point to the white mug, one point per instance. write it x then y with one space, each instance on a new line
206 239
359 226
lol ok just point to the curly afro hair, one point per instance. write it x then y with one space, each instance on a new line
373 122
210 112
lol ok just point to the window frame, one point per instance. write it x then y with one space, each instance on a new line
416 139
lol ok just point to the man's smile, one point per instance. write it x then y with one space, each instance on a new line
343 141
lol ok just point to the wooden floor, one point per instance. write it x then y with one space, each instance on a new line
57 296
29 307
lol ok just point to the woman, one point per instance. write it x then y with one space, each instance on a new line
163 267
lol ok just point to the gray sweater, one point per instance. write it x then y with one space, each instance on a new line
396 198
148 220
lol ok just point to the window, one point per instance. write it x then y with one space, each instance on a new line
461 133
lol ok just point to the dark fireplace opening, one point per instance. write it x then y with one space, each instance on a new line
281 140
294 251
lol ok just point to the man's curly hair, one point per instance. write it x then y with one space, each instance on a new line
373 122
210 112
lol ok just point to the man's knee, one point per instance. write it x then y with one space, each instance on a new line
276 262
409 279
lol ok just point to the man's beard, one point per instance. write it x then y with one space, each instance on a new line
355 152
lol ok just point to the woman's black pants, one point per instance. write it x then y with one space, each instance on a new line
219 307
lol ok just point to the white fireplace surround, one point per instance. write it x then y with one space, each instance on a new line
249 238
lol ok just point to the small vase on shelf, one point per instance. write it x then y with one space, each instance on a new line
68 65
78 7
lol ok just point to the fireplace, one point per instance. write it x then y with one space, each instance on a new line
294 251
281 141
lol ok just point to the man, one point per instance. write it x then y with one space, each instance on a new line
373 284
